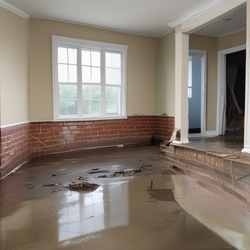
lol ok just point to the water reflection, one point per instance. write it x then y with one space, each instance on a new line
90 212
128 213
216 209
118 195
67 215
85 215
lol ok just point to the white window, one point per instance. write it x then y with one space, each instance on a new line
89 79
190 76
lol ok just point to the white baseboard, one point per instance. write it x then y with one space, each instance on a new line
194 135
211 133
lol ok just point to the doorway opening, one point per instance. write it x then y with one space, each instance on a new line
235 91
196 93
231 91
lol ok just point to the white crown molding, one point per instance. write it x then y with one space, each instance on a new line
195 12
14 9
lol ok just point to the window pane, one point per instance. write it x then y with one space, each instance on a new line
112 93
91 100
116 60
112 108
113 76
95 107
68 99
63 107
91 74
68 92
112 97
85 92
72 73
62 73
91 92
113 68
72 107
72 56
108 59
85 57
68 107
85 107
96 75
95 58
86 74
62 55
95 92
113 60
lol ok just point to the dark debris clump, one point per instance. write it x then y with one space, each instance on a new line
83 186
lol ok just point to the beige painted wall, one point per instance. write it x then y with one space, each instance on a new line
232 40
165 75
212 46
165 68
208 44
14 58
140 67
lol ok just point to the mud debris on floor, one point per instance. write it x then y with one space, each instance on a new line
83 186
139 204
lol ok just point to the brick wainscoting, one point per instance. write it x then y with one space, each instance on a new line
15 147
164 126
23 142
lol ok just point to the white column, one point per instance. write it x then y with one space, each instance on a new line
181 85
247 87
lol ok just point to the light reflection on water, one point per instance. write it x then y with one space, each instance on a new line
217 210
83 217
67 216
90 212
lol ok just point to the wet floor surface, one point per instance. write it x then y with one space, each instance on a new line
152 209
231 143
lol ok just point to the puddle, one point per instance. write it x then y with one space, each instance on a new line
162 194
217 210
125 213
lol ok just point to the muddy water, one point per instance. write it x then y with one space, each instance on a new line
126 213
219 211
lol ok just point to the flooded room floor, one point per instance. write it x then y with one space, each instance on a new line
139 204
232 143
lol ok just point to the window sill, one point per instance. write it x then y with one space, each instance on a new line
103 118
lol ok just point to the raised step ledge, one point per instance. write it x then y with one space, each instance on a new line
230 172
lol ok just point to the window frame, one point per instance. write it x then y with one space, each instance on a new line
79 44
190 77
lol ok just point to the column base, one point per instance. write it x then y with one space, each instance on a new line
186 141
245 150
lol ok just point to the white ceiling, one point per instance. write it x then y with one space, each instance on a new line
144 17
231 23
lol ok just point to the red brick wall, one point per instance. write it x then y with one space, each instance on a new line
55 137
164 126
23 142
15 147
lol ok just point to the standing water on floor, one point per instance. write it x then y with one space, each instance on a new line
149 212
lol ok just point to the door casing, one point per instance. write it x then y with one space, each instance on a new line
221 104
203 55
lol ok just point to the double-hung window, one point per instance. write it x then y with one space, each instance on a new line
89 79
